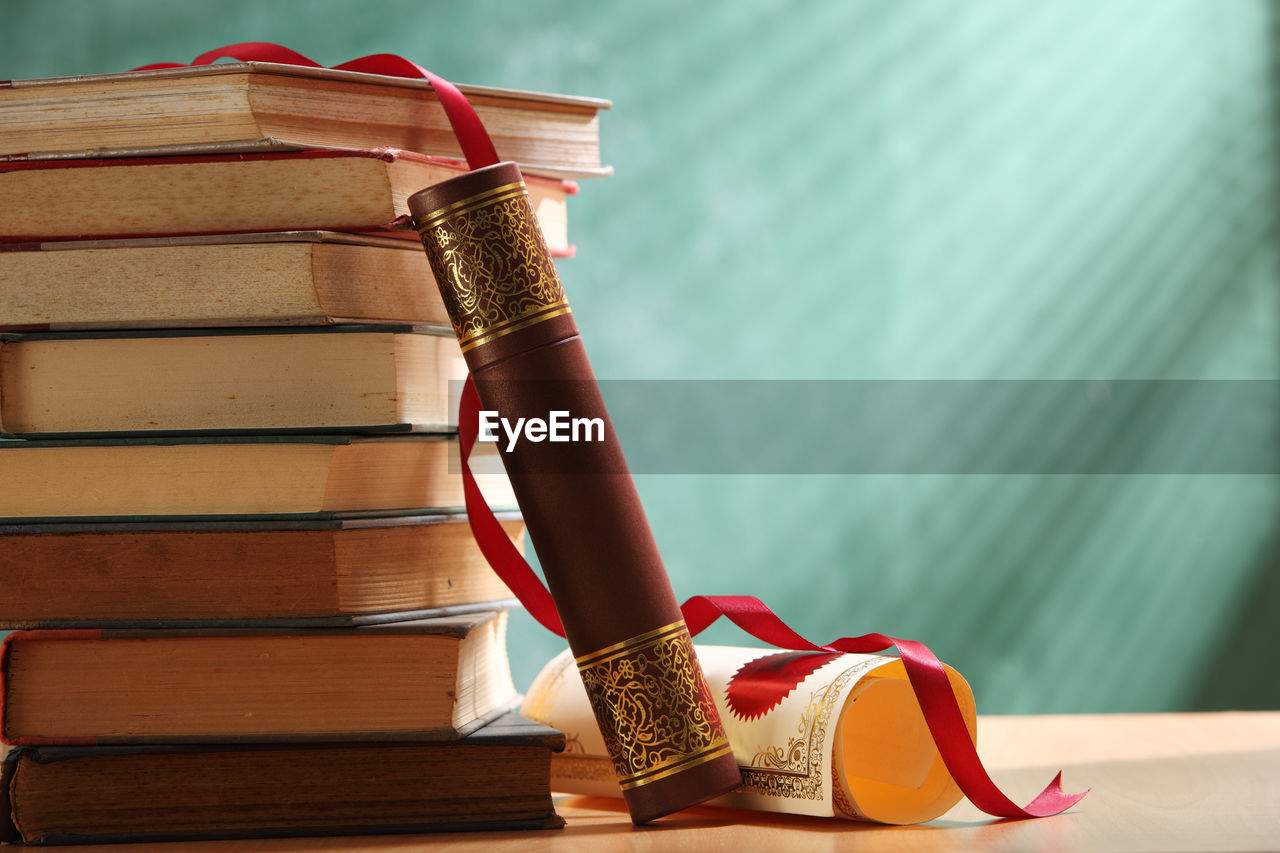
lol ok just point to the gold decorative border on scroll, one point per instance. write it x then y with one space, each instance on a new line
795 771
495 272
653 706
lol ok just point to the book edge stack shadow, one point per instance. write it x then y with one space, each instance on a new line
233 552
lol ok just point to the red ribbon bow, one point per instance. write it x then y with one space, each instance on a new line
925 672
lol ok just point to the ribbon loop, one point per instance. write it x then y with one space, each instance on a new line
494 543
470 132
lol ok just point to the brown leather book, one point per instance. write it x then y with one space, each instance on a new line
241 106
245 573
496 778
429 679
318 379
360 190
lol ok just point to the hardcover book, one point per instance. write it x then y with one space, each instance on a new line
357 190
495 778
253 105
286 278
327 379
245 573
211 476
430 679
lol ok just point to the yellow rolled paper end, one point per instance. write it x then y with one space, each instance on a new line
885 765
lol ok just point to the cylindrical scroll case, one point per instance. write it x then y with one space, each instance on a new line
581 508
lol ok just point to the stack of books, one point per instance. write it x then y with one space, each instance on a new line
230 531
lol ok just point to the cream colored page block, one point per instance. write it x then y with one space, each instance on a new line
425 367
157 285
484 673
91 115
334 668
382 474
182 198
365 283
209 382
394 474
211 479
350 114
444 566
520 135
337 113
552 213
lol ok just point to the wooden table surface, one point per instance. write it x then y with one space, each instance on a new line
1160 782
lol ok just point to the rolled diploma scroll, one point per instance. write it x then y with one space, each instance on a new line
580 505
847 741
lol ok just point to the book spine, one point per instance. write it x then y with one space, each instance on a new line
4 347
6 685
8 828
580 504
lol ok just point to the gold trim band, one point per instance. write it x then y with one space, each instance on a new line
679 765
654 708
600 655
484 202
518 323
489 196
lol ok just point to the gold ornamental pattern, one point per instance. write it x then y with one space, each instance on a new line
653 706
492 265
795 771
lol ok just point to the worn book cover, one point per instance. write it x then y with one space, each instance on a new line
495 778
279 278
340 379
210 193
429 679
211 477
246 106
258 573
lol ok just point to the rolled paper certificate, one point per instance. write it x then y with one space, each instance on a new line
656 714
834 735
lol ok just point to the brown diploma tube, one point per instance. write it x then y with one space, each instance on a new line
579 502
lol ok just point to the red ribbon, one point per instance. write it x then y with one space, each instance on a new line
925 672
467 127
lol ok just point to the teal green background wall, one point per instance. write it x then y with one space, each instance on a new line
909 190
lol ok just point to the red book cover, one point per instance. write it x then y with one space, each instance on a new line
498 777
